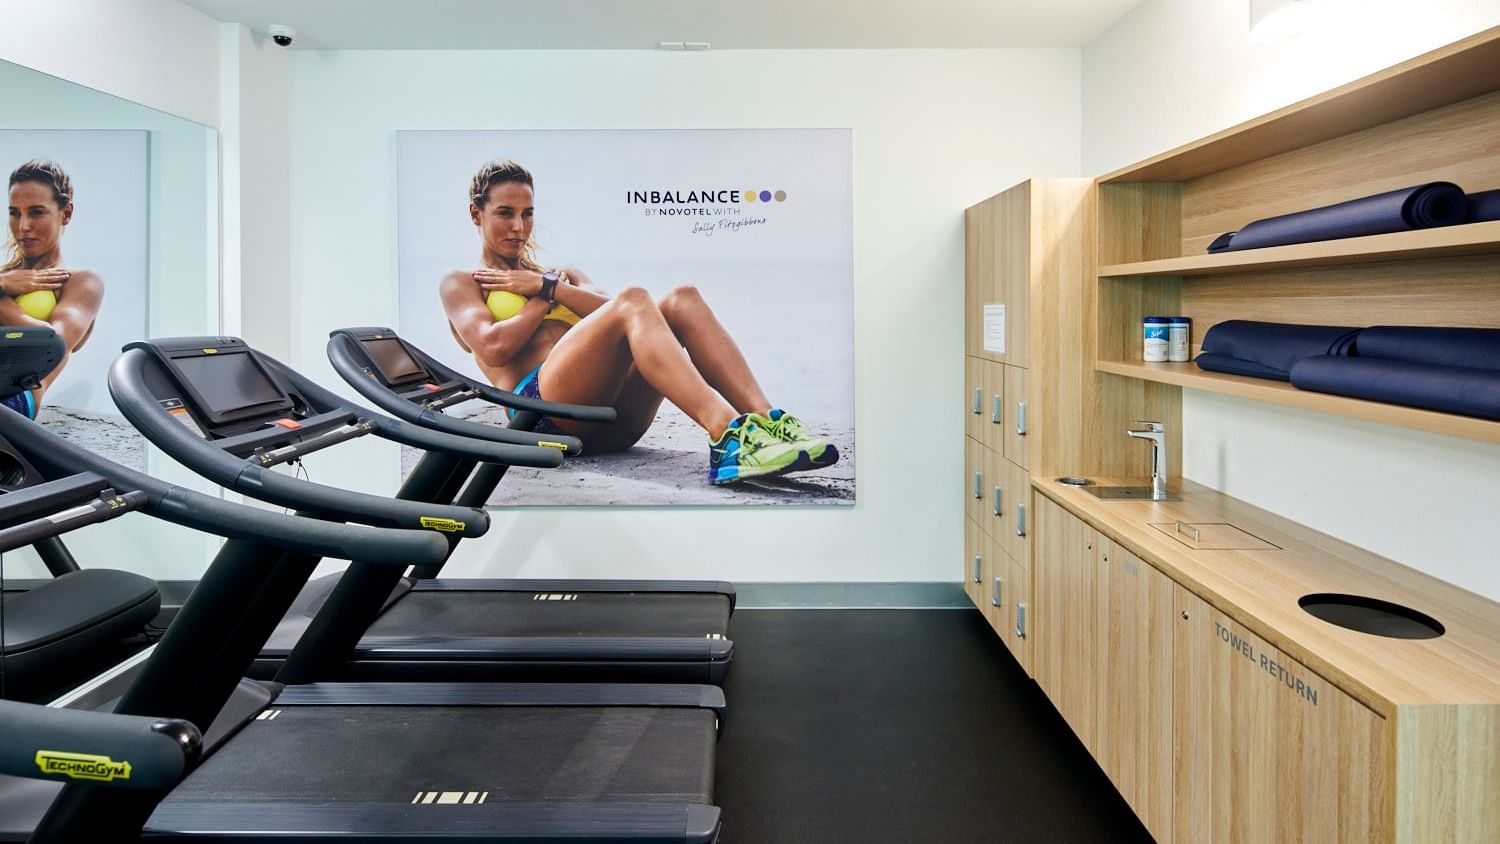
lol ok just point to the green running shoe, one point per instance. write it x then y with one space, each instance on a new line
817 453
748 450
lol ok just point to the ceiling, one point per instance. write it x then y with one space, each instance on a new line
640 24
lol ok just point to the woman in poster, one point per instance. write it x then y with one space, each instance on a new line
553 334
36 287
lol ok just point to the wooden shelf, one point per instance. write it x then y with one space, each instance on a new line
1449 241
1277 392
1456 72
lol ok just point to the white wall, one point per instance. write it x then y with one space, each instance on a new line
1175 70
158 53
934 131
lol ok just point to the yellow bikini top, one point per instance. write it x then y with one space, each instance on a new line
504 305
38 304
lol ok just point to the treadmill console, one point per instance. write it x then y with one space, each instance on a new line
390 361
217 385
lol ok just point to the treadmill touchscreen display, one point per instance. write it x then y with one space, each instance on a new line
394 362
228 383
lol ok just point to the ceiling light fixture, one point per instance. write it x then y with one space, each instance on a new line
696 46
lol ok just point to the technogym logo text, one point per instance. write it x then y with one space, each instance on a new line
82 766
728 204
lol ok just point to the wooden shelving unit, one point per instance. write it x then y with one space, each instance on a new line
1278 392
1434 118
1447 242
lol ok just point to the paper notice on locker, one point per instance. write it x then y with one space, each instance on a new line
994 328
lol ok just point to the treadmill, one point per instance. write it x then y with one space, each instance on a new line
419 628
67 628
404 762
52 487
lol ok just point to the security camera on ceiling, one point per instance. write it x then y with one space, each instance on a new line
282 34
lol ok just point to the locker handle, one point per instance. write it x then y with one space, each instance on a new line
997 595
998 493
978 484
997 409
1021 418
978 562
1020 520
978 399
1020 621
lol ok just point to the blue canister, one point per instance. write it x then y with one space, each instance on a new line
1155 333
1179 330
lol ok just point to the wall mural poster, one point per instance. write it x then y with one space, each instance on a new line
75 259
699 281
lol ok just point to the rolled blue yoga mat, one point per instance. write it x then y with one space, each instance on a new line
1269 349
1483 206
1419 207
1471 348
1449 389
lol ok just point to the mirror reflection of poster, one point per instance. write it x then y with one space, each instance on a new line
75 259
698 281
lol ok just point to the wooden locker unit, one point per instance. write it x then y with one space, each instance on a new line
976 550
1029 249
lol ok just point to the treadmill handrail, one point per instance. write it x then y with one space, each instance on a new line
341 356
127 386
28 502
101 509
100 748
54 456
509 454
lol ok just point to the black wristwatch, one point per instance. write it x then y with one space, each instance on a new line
549 286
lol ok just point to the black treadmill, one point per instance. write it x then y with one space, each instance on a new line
419 628
413 760
67 628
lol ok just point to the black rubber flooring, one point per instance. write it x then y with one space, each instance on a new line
911 726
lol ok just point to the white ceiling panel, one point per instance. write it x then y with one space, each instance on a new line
641 24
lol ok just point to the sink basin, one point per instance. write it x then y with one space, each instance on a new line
1127 493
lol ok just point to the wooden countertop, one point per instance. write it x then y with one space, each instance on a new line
1260 590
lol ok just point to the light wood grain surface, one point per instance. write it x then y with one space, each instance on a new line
1260 589
1459 71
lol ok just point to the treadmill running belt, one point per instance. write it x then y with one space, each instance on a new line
399 754
645 614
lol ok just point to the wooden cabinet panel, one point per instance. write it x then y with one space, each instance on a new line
997 497
1021 521
1268 750
1020 418
975 476
1013 274
1062 615
979 273
993 414
976 398
1133 706
976 549
1016 620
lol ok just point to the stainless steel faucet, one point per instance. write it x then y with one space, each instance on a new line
1156 433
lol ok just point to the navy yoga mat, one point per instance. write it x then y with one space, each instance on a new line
1269 349
1472 348
1420 207
1483 206
1450 389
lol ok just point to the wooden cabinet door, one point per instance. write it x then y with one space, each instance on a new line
1061 616
992 420
1020 504
976 398
1021 418
1133 706
1013 274
1267 750
975 499
979 273
997 497
1015 613
976 550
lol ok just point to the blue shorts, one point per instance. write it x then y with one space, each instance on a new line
530 387
23 403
